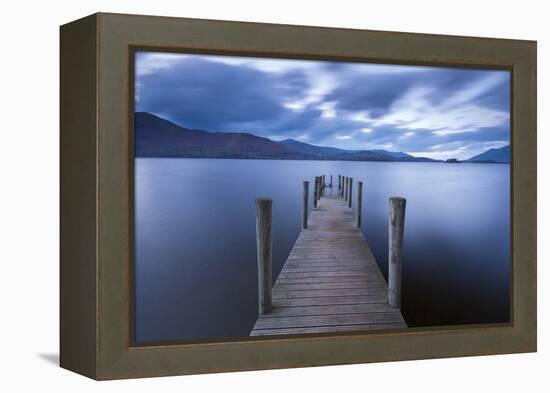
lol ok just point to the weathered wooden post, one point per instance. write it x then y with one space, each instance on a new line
339 182
320 193
359 202
396 228
343 186
264 248
304 205
323 186
315 191
350 198
330 181
318 186
346 189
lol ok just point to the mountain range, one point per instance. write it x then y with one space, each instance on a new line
158 137
498 156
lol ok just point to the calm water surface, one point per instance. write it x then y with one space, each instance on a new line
196 274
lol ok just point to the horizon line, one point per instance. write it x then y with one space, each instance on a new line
312 144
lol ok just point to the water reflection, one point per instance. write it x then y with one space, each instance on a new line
195 239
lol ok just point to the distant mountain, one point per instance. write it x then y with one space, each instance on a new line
317 151
393 154
158 137
380 155
500 156
333 153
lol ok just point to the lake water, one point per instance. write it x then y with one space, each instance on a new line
196 273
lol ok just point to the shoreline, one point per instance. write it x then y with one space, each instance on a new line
314 160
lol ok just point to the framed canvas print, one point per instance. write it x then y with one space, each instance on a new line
240 196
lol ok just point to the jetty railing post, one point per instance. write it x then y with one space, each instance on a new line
350 191
346 188
304 205
396 228
343 186
315 191
339 183
264 248
330 181
359 202
323 186
318 187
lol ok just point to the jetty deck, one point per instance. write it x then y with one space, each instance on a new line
330 281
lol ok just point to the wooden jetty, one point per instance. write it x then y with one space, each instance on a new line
330 281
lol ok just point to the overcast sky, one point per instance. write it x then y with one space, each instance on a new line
425 111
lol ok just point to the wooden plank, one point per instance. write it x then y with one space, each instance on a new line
284 294
328 285
340 260
333 254
329 236
329 246
302 265
328 320
329 310
336 269
336 273
329 279
327 242
347 271
328 329
361 263
357 252
330 300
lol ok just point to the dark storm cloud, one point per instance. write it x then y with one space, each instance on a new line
497 98
431 111
378 91
207 95
370 92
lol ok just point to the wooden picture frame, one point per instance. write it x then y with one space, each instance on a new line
97 211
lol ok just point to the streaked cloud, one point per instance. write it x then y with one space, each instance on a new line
348 105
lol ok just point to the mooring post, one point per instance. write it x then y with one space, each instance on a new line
350 198
344 186
396 228
339 182
304 205
359 202
323 192
317 188
264 248
346 190
315 191
330 181
344 180
320 193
